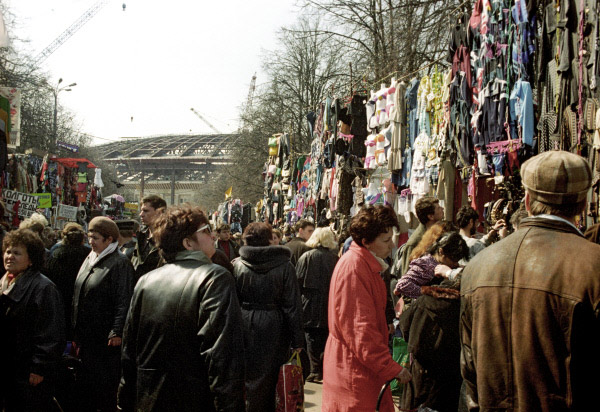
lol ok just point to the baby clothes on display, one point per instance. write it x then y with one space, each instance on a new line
419 184
370 143
381 105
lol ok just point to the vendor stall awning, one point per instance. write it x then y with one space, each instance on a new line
74 163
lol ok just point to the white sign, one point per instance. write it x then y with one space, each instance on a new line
67 212
27 203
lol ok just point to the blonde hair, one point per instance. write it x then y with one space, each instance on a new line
322 236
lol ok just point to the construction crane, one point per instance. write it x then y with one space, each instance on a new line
71 30
206 121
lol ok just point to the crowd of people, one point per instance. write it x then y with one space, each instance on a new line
177 315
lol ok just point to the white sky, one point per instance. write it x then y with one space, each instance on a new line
155 60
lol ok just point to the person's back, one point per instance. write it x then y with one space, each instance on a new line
530 325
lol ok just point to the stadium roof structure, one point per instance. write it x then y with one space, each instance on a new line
176 157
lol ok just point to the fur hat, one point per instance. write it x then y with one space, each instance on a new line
105 227
557 177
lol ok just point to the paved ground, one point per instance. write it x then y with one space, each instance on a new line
312 397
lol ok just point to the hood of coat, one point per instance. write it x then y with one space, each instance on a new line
262 259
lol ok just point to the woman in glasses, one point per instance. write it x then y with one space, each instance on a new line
271 311
183 344
103 289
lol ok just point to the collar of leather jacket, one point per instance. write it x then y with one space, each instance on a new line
548 224
196 255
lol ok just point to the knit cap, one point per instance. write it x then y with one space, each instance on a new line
557 177
105 227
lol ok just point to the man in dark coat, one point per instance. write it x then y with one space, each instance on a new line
224 242
126 241
304 229
531 302
145 256
101 298
183 343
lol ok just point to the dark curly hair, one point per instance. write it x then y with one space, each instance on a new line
370 222
465 215
72 234
453 246
31 241
258 234
173 226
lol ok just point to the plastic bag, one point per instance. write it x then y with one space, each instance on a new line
289 396
401 356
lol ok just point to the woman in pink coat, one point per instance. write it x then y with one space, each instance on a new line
357 360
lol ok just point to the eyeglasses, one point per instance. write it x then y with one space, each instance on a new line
204 227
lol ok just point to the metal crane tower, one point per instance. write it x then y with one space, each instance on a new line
214 129
71 30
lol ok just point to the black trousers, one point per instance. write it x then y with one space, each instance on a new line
98 380
316 338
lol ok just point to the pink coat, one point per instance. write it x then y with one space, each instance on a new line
357 360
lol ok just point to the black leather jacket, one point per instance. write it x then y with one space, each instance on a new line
32 328
101 299
183 342
145 256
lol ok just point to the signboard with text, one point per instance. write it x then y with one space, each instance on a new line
27 202
67 212
45 200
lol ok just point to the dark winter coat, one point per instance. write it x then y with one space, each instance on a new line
298 247
183 340
101 299
62 269
33 338
314 270
272 315
145 256
430 326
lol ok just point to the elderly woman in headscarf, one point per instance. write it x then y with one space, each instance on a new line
101 297
32 325
314 270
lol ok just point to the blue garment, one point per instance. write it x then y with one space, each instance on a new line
347 244
521 109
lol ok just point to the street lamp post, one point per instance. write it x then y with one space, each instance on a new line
56 91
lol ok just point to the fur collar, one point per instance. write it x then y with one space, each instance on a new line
440 292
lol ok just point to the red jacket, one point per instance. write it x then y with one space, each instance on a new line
357 360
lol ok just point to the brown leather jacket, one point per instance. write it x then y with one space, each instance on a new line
530 324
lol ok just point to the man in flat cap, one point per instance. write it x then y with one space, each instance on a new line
529 321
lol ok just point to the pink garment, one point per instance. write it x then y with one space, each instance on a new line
357 360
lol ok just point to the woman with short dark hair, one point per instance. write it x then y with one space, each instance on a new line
271 312
182 345
357 360
32 325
